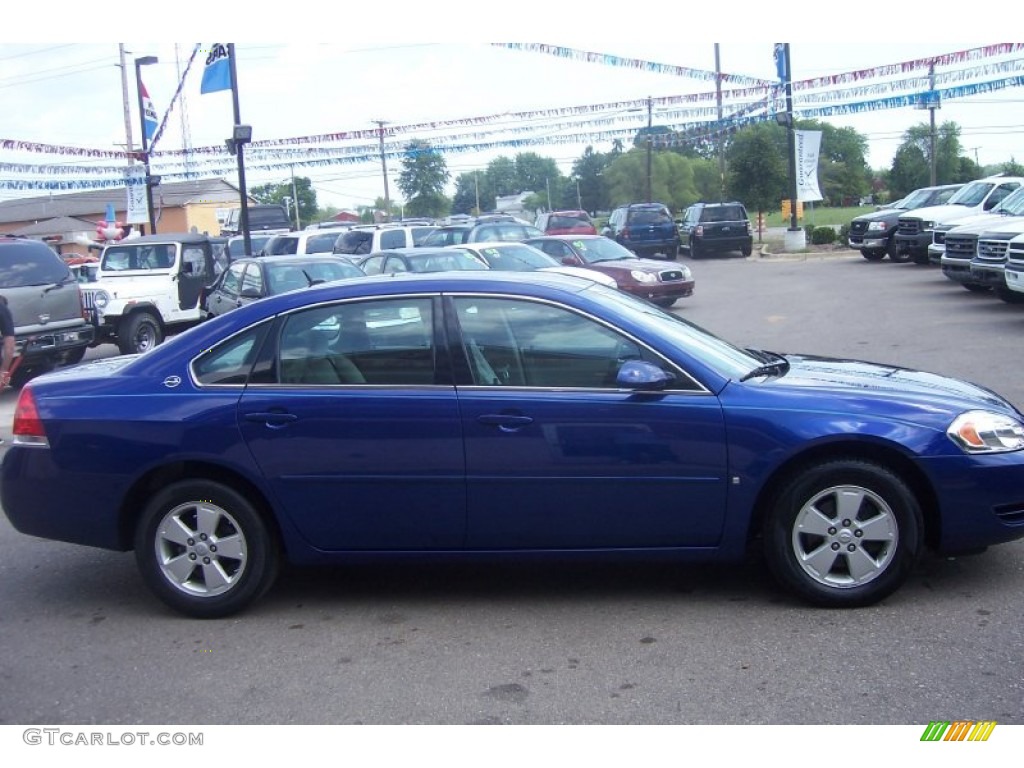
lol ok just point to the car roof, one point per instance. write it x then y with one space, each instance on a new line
186 238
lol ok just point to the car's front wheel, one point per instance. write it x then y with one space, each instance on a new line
872 254
204 549
843 533
1010 297
139 333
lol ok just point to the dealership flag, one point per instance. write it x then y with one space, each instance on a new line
217 75
148 112
808 145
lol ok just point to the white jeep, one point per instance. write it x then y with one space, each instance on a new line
147 288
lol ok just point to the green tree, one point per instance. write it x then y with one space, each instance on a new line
842 170
947 151
589 169
1010 168
909 171
758 169
423 179
538 174
502 179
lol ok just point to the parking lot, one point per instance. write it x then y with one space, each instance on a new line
536 644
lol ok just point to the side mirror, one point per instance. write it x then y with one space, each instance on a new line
643 377
250 293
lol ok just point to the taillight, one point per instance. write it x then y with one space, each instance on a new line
699 230
27 423
625 232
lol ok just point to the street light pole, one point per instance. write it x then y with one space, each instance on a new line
139 64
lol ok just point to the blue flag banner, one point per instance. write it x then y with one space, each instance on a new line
149 118
217 75
780 62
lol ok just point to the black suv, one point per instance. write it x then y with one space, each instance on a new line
716 227
46 304
645 229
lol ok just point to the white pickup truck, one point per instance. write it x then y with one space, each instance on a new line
147 288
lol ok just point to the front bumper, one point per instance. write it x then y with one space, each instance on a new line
914 244
655 291
935 253
957 271
1014 280
988 274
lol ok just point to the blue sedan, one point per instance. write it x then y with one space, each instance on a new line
483 413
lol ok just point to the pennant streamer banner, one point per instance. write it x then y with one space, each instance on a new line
686 119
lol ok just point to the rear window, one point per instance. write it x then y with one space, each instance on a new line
268 216
29 263
354 241
566 221
650 216
723 213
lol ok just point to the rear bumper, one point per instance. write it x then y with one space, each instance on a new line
49 344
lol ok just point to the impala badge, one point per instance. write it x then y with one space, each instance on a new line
172 381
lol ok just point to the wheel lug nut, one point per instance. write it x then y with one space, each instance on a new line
203 535
858 534
846 523
192 556
213 547
191 542
832 531
206 561
835 547
851 548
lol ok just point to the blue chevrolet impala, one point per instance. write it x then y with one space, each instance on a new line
488 413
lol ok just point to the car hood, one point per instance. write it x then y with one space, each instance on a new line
982 222
889 214
921 389
939 213
625 266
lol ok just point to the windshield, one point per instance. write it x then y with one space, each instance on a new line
919 199
724 357
600 249
1012 204
972 194
123 258
517 258
442 237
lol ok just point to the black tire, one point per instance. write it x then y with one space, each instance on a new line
235 556
872 254
899 258
1010 297
75 356
892 249
672 254
976 287
664 303
747 249
862 558
139 333
695 250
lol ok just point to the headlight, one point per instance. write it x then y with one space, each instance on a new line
686 273
927 225
984 432
101 299
876 226
643 277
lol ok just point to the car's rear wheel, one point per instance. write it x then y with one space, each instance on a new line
204 549
75 356
139 333
843 533
672 253
748 249
664 303
696 251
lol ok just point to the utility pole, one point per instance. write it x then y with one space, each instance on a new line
718 100
547 186
476 183
384 169
650 125
127 107
295 197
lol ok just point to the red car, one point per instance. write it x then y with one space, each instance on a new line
565 223
650 279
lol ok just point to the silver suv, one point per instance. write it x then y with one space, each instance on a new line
46 304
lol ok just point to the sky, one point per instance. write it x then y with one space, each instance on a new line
408 69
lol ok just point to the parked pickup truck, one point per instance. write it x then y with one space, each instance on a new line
874 234
914 233
1011 205
976 253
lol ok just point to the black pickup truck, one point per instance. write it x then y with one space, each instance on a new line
874 234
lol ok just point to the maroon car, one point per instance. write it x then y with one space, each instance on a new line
649 279
565 223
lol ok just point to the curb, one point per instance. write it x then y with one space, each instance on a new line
764 252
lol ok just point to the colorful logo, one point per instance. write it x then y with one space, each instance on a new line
958 730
